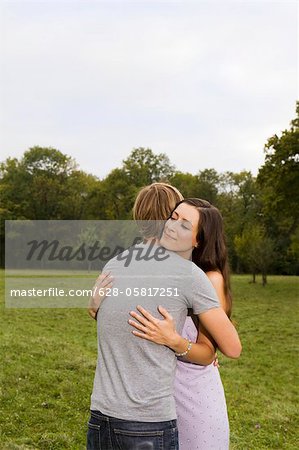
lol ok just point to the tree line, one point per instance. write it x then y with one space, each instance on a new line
260 213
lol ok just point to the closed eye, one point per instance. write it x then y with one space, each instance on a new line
175 216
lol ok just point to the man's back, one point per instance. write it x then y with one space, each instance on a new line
134 377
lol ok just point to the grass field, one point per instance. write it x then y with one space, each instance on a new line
48 360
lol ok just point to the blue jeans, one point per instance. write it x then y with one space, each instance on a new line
109 433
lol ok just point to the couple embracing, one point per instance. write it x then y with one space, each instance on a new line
157 385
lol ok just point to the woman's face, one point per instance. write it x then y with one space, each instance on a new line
180 231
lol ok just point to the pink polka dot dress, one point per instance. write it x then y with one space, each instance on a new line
200 403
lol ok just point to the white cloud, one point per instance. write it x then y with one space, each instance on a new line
201 81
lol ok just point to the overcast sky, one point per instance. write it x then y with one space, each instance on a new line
205 82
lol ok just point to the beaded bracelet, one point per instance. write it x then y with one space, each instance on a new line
187 351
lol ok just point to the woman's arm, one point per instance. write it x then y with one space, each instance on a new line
218 283
220 328
163 332
103 282
215 322
215 329
205 343
216 325
204 337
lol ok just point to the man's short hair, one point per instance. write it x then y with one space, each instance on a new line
154 204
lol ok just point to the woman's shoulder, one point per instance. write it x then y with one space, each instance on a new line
216 278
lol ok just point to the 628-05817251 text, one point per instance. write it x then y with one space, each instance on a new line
139 292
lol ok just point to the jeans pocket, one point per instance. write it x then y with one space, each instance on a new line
134 440
174 439
93 437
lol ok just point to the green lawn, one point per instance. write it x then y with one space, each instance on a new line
48 360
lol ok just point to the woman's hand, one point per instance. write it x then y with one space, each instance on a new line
103 282
216 361
161 332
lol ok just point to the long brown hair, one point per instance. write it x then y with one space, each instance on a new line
211 253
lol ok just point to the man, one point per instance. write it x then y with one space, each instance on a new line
132 405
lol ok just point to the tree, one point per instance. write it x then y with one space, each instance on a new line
143 167
207 185
13 190
47 160
203 185
278 181
88 237
186 183
36 186
279 177
78 202
118 194
45 184
293 252
239 203
256 251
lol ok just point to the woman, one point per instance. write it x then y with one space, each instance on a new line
182 229
200 401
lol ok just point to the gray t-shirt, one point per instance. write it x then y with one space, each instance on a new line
134 377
